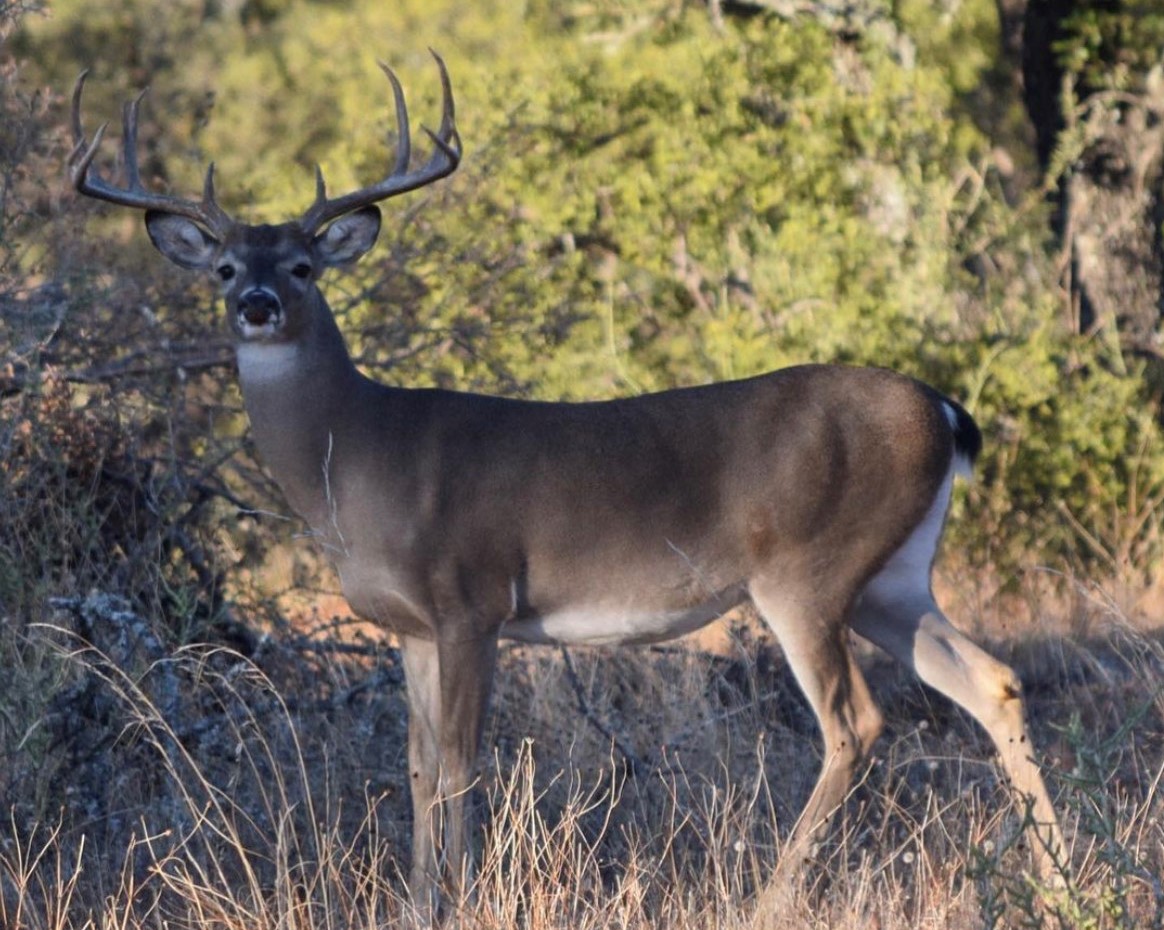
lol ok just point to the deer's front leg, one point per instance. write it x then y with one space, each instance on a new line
467 667
449 686
422 679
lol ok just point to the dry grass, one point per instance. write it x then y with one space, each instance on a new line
202 789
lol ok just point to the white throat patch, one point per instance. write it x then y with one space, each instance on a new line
267 361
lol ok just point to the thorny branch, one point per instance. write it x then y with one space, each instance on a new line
140 363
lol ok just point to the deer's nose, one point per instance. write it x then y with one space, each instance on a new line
259 306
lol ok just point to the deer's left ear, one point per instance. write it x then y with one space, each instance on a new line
349 237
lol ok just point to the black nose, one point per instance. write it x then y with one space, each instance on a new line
259 307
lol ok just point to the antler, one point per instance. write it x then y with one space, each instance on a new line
443 161
88 182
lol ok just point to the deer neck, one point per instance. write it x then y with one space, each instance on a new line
301 396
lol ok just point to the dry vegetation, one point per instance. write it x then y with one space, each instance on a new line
193 787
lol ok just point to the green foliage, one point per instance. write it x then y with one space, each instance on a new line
1112 45
651 198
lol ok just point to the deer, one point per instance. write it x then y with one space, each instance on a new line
818 493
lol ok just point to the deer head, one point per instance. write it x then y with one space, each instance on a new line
268 274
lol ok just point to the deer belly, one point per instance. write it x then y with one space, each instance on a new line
605 624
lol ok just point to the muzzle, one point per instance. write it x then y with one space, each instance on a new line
259 307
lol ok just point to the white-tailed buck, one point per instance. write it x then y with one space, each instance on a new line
455 520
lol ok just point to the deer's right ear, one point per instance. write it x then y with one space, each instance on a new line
182 241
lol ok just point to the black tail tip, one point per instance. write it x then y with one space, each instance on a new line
967 435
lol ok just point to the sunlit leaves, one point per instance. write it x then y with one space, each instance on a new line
650 198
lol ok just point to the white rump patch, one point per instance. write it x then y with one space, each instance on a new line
907 573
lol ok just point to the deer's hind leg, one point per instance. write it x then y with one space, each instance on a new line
897 611
914 630
816 645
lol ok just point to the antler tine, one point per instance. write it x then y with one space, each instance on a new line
83 151
75 114
134 194
448 127
320 185
403 131
129 140
443 161
217 218
446 138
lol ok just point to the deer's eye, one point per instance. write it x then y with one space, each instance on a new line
302 270
225 272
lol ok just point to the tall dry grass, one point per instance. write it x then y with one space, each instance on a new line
239 794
